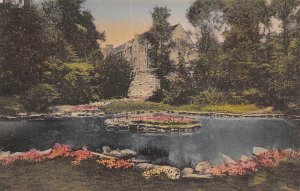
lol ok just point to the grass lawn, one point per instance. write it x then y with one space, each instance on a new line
130 106
10 106
58 174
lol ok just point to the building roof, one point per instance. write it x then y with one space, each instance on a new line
141 37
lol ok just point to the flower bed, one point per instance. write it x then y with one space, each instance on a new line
115 163
267 159
57 151
152 123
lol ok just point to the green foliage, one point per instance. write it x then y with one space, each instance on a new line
160 38
74 85
254 64
49 44
115 76
21 49
209 97
10 105
285 10
181 84
207 17
38 98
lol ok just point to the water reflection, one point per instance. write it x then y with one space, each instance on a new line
218 135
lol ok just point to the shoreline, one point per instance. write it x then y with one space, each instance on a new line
86 114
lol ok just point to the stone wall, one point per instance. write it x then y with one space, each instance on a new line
136 51
144 85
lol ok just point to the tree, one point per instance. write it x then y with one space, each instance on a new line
181 85
38 98
159 37
207 17
285 11
115 75
21 48
243 40
74 29
74 83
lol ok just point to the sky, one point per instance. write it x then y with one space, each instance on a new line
122 19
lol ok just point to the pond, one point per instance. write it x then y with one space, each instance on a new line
232 136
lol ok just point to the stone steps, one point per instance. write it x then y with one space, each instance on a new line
143 85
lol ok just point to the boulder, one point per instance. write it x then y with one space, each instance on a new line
259 150
106 150
4 154
202 167
145 166
289 150
46 152
126 153
187 171
244 158
227 159
17 154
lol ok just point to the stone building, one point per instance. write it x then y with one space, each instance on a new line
137 50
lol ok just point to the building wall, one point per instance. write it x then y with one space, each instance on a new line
136 50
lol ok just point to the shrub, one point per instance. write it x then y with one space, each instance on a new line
115 76
209 97
38 98
75 83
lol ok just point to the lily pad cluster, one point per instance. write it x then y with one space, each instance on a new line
153 123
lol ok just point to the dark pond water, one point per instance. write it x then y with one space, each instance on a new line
233 137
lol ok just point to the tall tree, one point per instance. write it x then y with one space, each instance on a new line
285 11
243 39
115 76
159 37
207 17
21 49
73 24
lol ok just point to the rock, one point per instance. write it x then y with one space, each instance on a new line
244 158
187 171
202 167
17 154
122 153
128 152
198 176
46 152
4 154
227 159
145 166
259 150
289 150
106 150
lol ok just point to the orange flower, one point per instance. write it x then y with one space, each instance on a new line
115 163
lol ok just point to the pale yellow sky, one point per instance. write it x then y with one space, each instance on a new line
122 19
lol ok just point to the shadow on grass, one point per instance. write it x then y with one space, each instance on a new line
58 174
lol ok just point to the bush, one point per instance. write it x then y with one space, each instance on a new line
209 97
38 98
75 83
115 76
254 96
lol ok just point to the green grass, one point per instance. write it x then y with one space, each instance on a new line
131 106
231 108
59 174
10 106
